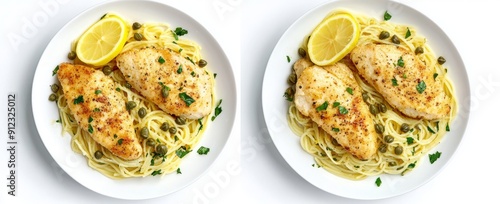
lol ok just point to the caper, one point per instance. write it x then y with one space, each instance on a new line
441 60
161 149
202 63
127 85
384 35
144 132
72 55
382 108
52 97
138 36
54 88
395 39
142 112
398 150
292 78
98 154
365 97
379 128
164 126
172 130
388 139
302 52
136 25
382 148
180 121
419 50
130 105
405 127
106 70
164 92
150 142
373 109
392 163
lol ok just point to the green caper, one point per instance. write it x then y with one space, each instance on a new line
130 105
144 132
180 121
52 97
54 88
127 85
161 149
395 39
419 50
172 130
398 150
98 154
384 35
106 70
382 148
138 36
202 63
379 128
292 78
302 52
150 142
142 112
405 127
164 92
382 108
72 55
136 25
388 139
365 97
392 163
441 60
164 126
373 109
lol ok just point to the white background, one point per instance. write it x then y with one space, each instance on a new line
248 31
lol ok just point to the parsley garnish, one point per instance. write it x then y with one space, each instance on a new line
91 119
387 16
408 33
421 87
349 90
336 104
188 58
434 157
161 60
378 182
180 50
430 130
447 127
176 37
323 106
179 171
201 124
412 165
120 141
97 110
157 172
180 31
54 72
78 100
118 89
394 82
180 69
97 91
335 129
182 151
90 129
115 136
217 110
409 140
401 63
343 110
193 74
203 150
215 75
187 99
288 58
435 75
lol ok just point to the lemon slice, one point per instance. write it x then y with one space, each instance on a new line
103 41
333 39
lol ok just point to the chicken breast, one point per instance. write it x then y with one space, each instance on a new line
150 70
405 82
331 97
99 109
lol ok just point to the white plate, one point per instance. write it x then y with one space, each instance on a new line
45 113
287 143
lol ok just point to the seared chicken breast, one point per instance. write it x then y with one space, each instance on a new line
405 82
331 97
189 87
99 109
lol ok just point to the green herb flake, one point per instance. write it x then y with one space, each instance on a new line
434 157
188 58
90 129
288 58
335 129
437 126
193 74
409 140
179 171
176 37
447 127
336 104
349 90
186 98
161 60
412 165
200 122
90 119
430 130
217 111
120 141
118 89
394 82
58 121
157 172
179 70
54 72
203 150
97 92
179 31
343 110
387 16
378 182
408 32
421 87
115 136
78 100
435 76
401 62
323 106
215 75
180 50
97 110
182 151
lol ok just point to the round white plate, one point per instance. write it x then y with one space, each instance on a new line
193 166
275 106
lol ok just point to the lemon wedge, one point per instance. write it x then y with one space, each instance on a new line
103 41
333 38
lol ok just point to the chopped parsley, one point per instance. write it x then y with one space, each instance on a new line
435 75
378 182
421 87
78 100
387 16
215 75
412 165
200 121
97 91
203 150
217 111
90 119
179 70
336 104
335 129
180 50
115 136
176 37
120 141
288 58
408 32
157 172
430 130
437 125
97 110
179 31
118 89
349 90
188 58
409 140
179 171
193 74
323 106
182 151
394 82
54 72
186 98
90 129
343 110
401 63
447 127
434 157
161 60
